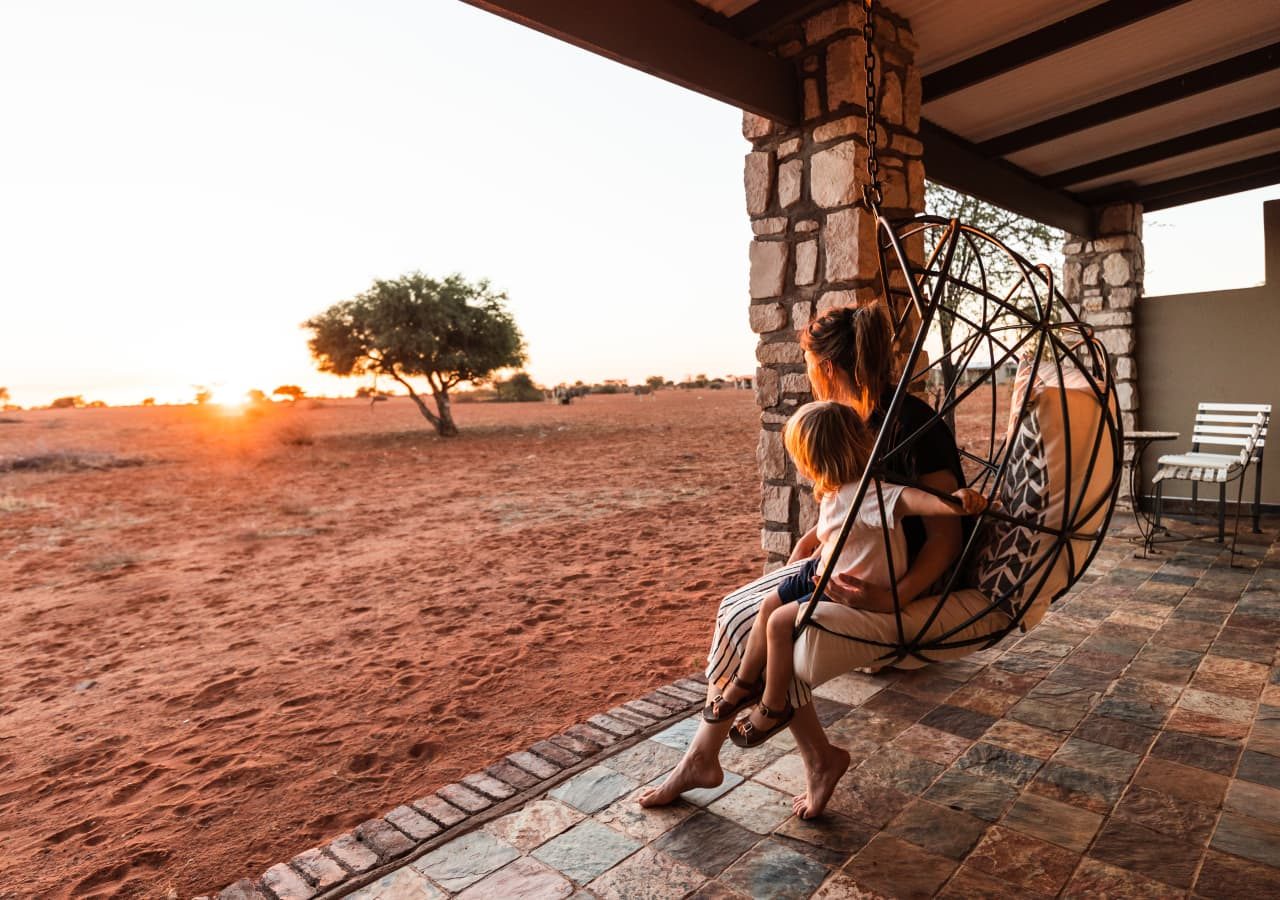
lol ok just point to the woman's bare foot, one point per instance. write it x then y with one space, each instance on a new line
694 771
821 780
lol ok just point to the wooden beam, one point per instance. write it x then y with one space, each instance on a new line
668 42
1078 29
1206 78
1187 143
1257 171
955 162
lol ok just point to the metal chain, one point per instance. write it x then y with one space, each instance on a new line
869 63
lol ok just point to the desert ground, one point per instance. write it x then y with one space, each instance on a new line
227 637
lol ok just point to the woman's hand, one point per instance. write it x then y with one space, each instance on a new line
853 592
971 502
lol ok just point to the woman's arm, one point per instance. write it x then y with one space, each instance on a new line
964 502
941 546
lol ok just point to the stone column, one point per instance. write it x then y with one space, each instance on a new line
1102 279
814 244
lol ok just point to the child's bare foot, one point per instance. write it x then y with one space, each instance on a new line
694 771
821 780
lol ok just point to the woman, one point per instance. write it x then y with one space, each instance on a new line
849 354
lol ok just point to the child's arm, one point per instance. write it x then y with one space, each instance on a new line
807 546
915 502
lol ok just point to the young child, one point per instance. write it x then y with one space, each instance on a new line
830 445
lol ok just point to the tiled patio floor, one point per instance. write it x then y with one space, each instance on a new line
1128 746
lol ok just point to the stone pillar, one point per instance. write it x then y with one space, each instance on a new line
1102 279
814 244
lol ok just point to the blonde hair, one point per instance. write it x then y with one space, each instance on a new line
829 443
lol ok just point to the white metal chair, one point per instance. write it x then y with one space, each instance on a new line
1242 425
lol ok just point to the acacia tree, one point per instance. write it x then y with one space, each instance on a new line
1034 240
414 326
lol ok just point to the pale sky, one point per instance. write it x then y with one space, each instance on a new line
182 184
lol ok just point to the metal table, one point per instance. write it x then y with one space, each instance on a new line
1141 440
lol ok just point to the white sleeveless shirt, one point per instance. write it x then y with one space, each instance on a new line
865 554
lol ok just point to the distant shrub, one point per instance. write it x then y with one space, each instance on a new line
519 388
295 434
292 391
67 402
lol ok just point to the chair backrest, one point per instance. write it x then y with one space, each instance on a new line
1231 425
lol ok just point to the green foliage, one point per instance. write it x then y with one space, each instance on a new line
292 391
203 395
414 326
519 388
148 401
655 381
68 402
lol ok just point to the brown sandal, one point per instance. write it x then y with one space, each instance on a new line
744 734
721 710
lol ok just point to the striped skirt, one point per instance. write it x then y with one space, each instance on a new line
734 619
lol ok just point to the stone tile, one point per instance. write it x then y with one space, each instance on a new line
586 850
991 761
1251 838
1194 750
1096 880
1207 725
852 688
1166 664
939 829
896 703
680 734
1106 663
867 801
1224 877
646 875
958 721
1116 733
352 854
1147 852
593 789
1050 820
1232 677
412 823
524 879
979 797
786 775
628 816
1139 712
533 824
704 796
905 772
464 860
1260 768
927 684
283 882
707 843
772 870
465 798
1109 762
1026 739
1023 860
831 832
1220 706
984 700
1182 781
868 725
1079 788
754 807
750 760
1016 683
433 807
969 883
402 884
320 869
1058 694
1254 800
384 839
1046 715
841 887
931 744
644 761
711 890
1147 690
899 869
829 710
1173 817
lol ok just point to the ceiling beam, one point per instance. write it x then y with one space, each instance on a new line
1162 150
1206 78
955 162
1213 182
1078 29
764 16
668 42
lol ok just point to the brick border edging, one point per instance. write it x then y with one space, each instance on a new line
379 846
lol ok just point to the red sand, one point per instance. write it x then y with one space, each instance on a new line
285 638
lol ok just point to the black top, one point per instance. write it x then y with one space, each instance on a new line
921 444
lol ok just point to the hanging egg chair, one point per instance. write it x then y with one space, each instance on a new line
1029 391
